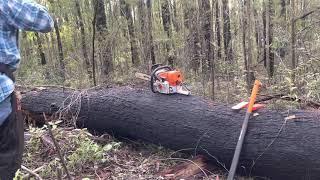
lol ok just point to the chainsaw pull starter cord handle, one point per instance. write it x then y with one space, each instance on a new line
237 152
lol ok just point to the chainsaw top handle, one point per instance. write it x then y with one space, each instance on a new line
156 68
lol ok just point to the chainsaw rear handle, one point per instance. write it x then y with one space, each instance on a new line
153 74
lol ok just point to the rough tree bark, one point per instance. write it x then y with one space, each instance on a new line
207 48
283 11
166 20
206 34
247 19
269 62
191 22
293 41
217 26
175 19
60 50
151 55
279 145
227 31
83 39
40 49
143 20
126 9
196 47
104 45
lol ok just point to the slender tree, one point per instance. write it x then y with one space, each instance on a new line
269 38
143 20
166 20
40 49
126 9
293 40
227 31
283 5
175 19
248 49
83 39
206 34
104 46
192 25
217 28
151 54
60 50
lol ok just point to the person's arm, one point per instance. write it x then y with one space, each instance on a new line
26 15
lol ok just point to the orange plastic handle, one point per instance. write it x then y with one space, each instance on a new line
253 96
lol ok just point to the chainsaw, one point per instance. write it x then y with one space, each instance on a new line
165 80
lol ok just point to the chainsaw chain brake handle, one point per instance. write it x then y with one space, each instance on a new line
255 90
155 68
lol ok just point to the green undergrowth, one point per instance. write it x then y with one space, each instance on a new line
95 157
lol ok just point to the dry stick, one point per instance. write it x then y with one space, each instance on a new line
59 173
35 171
57 147
31 172
288 98
307 14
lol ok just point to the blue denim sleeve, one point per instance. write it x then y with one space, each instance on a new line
5 109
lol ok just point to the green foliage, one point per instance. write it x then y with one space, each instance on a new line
18 176
89 153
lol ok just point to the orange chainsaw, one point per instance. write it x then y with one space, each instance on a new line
165 80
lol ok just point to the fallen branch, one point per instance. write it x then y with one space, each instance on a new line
64 165
309 103
307 14
31 172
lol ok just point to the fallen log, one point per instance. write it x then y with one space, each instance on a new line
278 145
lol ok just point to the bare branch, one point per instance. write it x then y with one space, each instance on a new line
307 14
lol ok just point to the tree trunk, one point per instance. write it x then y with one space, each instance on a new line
268 38
143 20
83 39
283 11
244 37
218 31
249 73
126 9
60 50
293 40
104 45
175 19
227 31
206 34
151 55
40 49
279 145
166 20
192 24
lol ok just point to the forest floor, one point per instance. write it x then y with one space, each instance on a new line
100 157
